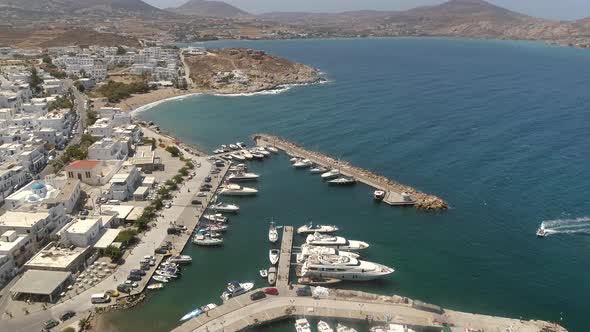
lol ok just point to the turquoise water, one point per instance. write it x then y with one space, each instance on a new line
498 129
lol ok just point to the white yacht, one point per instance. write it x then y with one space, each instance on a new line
272 275
227 208
343 181
307 250
257 155
343 268
294 160
238 168
218 217
242 176
302 325
302 163
273 256
324 327
273 234
180 259
234 147
234 289
272 149
331 174
379 195
247 154
318 170
241 145
237 156
337 242
312 228
391 327
218 151
204 240
235 190
344 328
215 228
263 151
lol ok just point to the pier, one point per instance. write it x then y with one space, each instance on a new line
285 258
393 190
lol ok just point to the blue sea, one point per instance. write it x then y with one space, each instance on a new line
499 129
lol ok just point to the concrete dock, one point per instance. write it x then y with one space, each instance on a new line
394 191
285 258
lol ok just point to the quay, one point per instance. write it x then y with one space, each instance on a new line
393 190
242 312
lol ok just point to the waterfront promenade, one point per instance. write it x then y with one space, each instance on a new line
392 189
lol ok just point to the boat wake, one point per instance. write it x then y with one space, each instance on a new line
567 226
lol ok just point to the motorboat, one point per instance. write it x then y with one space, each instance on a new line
273 256
343 268
247 154
337 242
294 160
272 149
180 259
263 151
242 177
331 174
379 195
228 157
311 228
391 327
317 281
205 240
218 217
318 170
263 273
257 155
237 156
208 307
235 190
238 168
344 328
160 278
209 233
308 250
303 163
324 327
195 313
272 275
155 286
227 208
273 234
541 232
166 274
234 147
216 227
218 151
234 289
241 145
302 325
343 181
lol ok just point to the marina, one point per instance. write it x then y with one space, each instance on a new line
395 194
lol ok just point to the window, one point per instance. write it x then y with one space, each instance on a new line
70 174
87 175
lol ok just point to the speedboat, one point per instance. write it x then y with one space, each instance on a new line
273 256
302 163
272 149
273 234
242 176
337 242
391 327
307 250
234 289
343 268
257 155
217 227
263 151
247 154
263 273
160 278
312 228
228 208
541 232
235 190
155 286
272 275
204 240
218 151
192 314
324 327
302 325
234 147
331 174
379 195
344 328
294 160
238 168
180 259
343 181
218 217
317 281
318 170
237 156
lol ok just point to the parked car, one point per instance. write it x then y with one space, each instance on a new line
304 291
48 325
133 277
135 271
201 194
196 202
131 283
208 179
168 205
205 189
271 291
112 293
124 288
257 296
67 315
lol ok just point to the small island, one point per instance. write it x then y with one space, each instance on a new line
241 70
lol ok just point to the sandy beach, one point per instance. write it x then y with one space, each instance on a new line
138 100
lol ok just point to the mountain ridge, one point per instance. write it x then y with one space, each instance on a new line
208 9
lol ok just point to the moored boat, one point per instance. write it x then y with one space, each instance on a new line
317 281
236 190
331 174
302 325
263 273
343 268
237 156
318 170
218 217
379 195
195 313
344 328
302 163
234 289
311 228
242 177
204 240
160 278
343 181
337 242
155 286
180 259
309 250
324 327
273 256
272 275
273 234
272 149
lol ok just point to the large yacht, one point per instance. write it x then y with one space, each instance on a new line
247 154
234 289
242 176
343 268
337 242
235 190
391 327
180 259
302 163
307 250
311 228
331 174
228 208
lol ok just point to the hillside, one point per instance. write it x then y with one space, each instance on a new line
209 9
81 7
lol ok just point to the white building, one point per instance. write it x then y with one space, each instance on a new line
11 178
101 128
51 191
15 250
124 183
58 120
40 223
83 233
108 149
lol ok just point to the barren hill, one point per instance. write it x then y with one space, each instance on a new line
73 7
208 8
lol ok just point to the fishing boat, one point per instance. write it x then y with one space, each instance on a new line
263 273
242 177
180 259
195 313
541 232
227 208
311 228
273 234
331 174
318 170
273 256
160 278
234 289
343 181
324 327
302 325
217 217
204 240
236 190
272 275
302 163
337 242
317 281
344 328
343 268
379 195
308 250
155 286
272 149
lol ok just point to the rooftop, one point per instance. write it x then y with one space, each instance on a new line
22 219
6 247
81 226
55 257
83 164
122 210
40 282
107 238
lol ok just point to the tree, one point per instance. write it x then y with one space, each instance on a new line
114 253
80 87
35 81
91 117
189 164
47 59
174 151
177 179
121 50
127 236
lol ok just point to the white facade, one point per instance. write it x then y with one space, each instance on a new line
108 149
83 233
124 183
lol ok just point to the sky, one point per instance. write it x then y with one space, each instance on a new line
554 9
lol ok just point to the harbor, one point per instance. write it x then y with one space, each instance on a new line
394 194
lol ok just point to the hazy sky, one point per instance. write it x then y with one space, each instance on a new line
556 9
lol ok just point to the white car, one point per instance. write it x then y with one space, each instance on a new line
168 205
133 284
